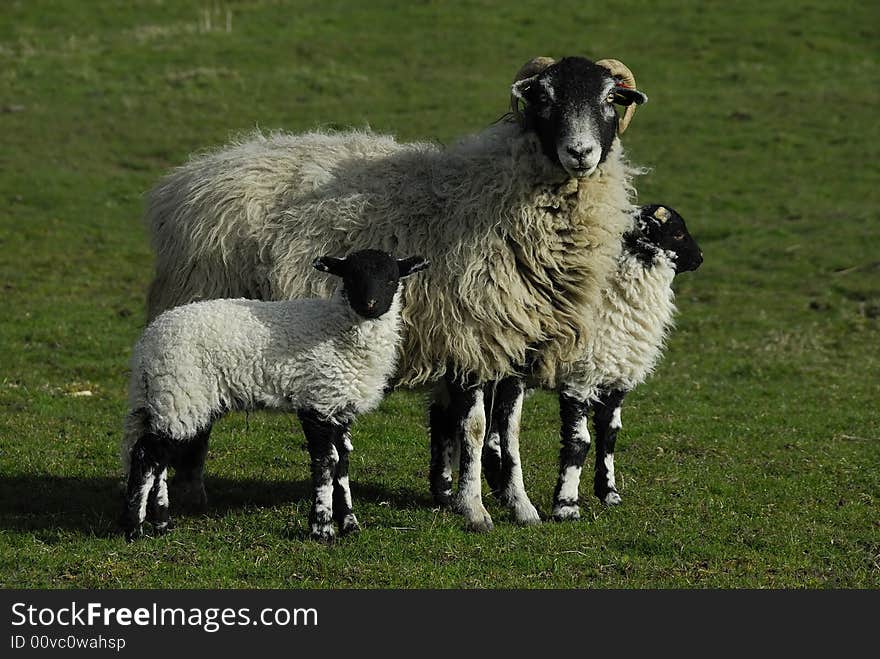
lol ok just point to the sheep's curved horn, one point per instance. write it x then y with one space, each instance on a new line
620 70
531 68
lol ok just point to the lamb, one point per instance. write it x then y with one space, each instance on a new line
631 327
522 223
327 360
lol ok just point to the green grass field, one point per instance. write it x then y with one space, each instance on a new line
751 458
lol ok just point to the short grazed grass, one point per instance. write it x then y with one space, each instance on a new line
751 459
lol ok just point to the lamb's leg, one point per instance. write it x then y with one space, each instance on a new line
442 447
506 413
147 462
189 472
469 416
158 512
606 420
492 461
573 414
342 510
320 434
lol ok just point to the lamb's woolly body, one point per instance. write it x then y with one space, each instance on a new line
519 251
630 330
197 361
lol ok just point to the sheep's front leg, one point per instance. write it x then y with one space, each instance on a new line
158 511
492 461
606 420
189 471
147 465
320 435
575 434
468 415
506 413
342 508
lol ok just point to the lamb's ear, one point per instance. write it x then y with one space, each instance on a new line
331 264
411 265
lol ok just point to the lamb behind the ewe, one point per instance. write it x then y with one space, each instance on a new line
327 360
630 329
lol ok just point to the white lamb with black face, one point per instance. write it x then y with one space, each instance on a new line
329 360
630 329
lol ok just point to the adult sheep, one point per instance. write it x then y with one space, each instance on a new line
521 223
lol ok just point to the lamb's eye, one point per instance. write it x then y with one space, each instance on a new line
543 98
678 236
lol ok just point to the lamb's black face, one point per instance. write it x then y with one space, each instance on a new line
570 105
664 227
370 278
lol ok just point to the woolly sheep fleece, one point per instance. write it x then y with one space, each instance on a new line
519 251
199 360
631 327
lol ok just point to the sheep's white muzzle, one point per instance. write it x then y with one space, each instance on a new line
579 157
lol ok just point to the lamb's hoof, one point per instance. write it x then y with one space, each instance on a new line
443 499
323 533
191 496
525 514
612 499
349 525
564 513
134 533
161 528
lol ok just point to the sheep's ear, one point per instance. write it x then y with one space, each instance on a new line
331 264
521 88
411 265
627 96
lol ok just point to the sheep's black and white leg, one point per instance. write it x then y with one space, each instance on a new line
158 510
468 414
321 435
342 507
606 420
506 413
575 436
442 446
148 462
492 463
189 472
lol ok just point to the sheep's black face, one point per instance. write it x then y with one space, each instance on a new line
570 106
664 227
370 278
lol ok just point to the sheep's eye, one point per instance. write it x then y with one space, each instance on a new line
610 98
543 98
678 236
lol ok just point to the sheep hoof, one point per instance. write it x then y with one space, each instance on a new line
323 533
526 514
134 533
443 499
349 525
563 513
475 513
161 528
191 495
612 499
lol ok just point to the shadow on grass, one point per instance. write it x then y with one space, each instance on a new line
46 505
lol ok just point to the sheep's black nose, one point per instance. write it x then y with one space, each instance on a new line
371 304
579 152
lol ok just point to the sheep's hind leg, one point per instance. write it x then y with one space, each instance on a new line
342 508
492 461
442 447
506 413
320 434
469 417
574 415
606 420
147 464
189 472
